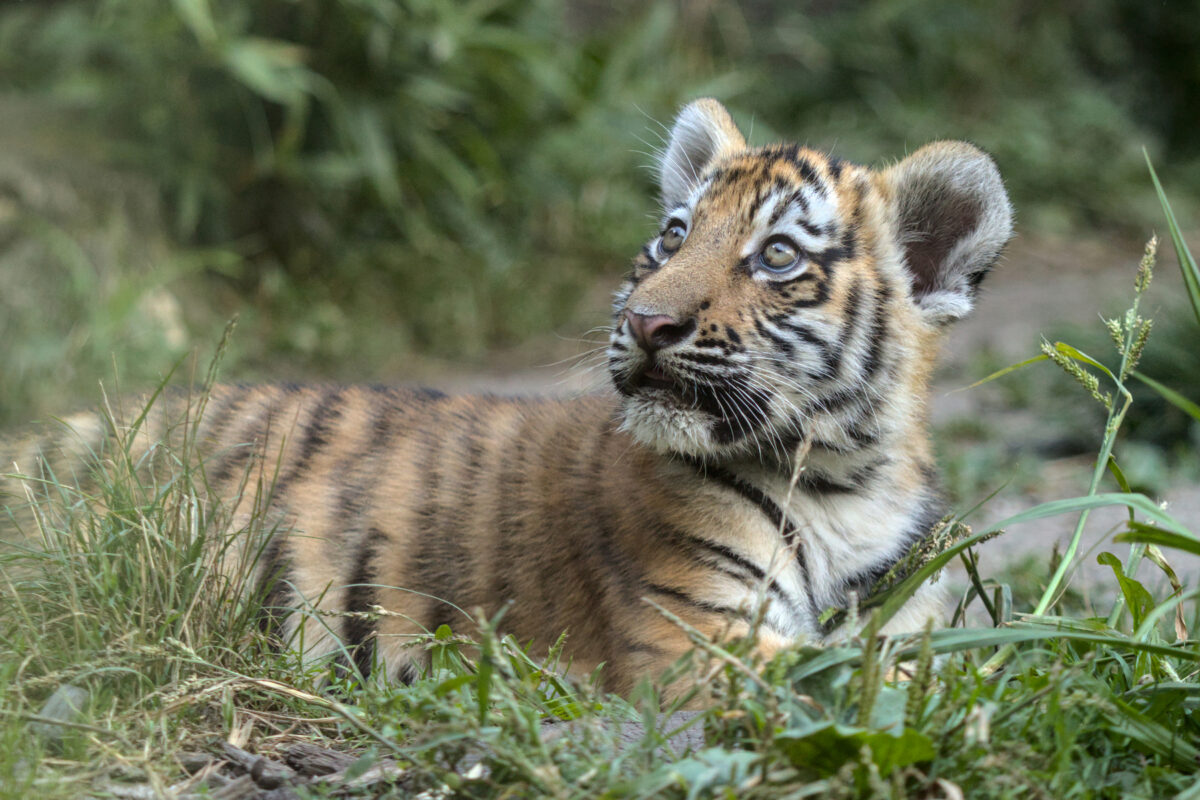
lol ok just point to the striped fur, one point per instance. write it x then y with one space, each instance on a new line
569 514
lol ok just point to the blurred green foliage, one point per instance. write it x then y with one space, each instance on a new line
367 178
461 159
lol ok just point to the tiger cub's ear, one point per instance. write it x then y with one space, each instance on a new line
702 132
953 218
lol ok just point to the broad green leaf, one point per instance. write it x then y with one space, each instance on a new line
1119 474
1148 534
1190 793
824 747
452 684
1137 599
272 69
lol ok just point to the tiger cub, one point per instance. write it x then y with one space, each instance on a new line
765 439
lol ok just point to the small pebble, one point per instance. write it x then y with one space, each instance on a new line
66 705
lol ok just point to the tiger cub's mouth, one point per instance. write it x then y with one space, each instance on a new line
653 376
652 380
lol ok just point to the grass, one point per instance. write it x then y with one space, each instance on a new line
122 599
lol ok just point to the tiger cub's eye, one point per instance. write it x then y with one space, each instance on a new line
779 255
673 236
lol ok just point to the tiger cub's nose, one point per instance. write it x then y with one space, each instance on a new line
653 332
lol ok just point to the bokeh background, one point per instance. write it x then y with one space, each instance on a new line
396 189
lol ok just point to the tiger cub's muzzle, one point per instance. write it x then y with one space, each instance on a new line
640 367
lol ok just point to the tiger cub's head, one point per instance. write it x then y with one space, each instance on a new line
789 294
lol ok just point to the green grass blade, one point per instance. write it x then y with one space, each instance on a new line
1128 721
1148 534
1079 355
1161 610
954 640
1187 264
1002 372
1171 396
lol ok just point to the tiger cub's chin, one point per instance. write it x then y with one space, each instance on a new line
668 428
787 298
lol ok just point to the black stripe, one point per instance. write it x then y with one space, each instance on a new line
808 173
843 251
751 575
217 418
359 465
511 517
359 634
713 344
780 207
314 437
822 295
780 342
862 437
877 334
838 400
835 167
817 483
688 600
752 493
778 518
853 311
811 229
274 585
233 456
743 414
442 614
829 356
704 358
759 198
799 199
841 450
440 560
691 546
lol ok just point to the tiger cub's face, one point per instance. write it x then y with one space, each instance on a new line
788 294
